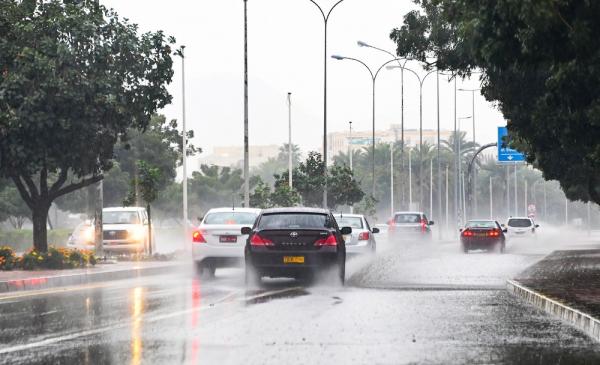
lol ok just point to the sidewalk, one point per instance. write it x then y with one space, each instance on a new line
18 280
565 284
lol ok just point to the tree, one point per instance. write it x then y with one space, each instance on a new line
540 63
283 195
75 78
279 164
214 186
12 207
343 188
144 187
261 196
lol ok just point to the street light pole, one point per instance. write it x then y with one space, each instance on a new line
326 21
421 82
459 159
350 153
410 202
392 179
373 80
439 164
180 53
290 140
246 137
474 180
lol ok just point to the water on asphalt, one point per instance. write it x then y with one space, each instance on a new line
417 303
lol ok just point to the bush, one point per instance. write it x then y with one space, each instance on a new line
8 259
54 259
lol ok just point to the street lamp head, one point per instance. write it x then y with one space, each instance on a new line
391 67
469 117
337 57
362 44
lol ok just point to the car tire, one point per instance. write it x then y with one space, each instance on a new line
252 278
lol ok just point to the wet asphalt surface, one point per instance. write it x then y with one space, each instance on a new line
417 303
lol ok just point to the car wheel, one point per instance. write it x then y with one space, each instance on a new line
465 248
342 272
252 278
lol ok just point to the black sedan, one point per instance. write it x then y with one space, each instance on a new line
482 234
296 243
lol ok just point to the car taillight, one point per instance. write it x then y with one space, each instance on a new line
363 236
198 237
257 240
423 225
467 233
494 233
328 241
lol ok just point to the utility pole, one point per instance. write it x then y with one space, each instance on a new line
439 166
350 153
410 201
431 188
526 204
507 191
184 183
290 140
447 215
246 138
392 179
491 200
516 194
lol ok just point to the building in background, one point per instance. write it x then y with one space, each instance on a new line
339 141
233 156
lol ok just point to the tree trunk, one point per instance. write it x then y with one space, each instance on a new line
40 234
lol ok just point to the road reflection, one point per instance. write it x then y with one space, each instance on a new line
137 309
195 322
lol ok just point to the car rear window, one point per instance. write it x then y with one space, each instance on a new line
293 221
407 218
354 222
519 222
230 218
481 224
120 218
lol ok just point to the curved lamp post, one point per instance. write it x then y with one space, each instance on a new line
373 80
325 21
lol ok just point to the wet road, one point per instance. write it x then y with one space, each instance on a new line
412 303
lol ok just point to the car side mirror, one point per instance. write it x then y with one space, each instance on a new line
505 230
246 230
375 230
460 229
503 225
346 230
431 223
200 218
537 226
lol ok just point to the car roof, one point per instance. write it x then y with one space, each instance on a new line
232 209
123 209
342 215
407 212
520 218
296 210
482 220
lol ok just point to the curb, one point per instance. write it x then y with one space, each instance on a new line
46 282
578 319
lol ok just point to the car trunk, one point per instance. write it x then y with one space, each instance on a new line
294 239
223 234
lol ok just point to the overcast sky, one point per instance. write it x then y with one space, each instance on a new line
286 54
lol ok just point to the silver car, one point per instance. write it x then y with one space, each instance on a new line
362 239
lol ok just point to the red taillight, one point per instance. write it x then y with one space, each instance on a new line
328 241
197 237
257 240
467 233
494 233
423 225
363 236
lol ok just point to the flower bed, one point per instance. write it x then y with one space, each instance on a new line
54 259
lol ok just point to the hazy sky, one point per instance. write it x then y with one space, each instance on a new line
286 54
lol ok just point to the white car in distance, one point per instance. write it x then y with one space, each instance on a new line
218 241
520 227
361 240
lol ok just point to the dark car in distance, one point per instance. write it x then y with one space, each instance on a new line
296 243
482 235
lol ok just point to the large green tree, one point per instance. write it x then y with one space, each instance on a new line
540 63
74 79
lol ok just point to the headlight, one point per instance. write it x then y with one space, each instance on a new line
88 234
137 234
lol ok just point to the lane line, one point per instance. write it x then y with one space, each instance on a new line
53 291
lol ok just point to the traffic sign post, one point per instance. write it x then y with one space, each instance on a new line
505 153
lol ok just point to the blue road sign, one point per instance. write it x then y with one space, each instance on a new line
505 153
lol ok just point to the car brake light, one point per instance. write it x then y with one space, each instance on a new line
363 236
257 240
467 233
328 241
198 237
494 233
423 225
